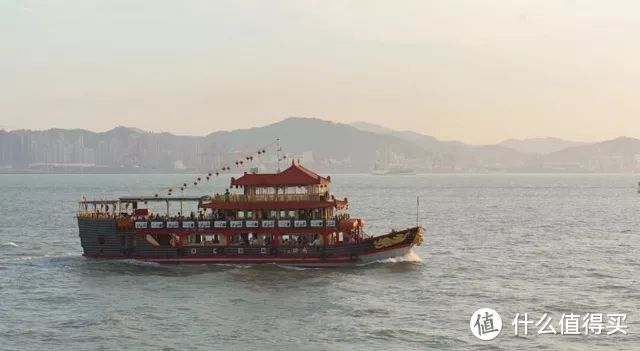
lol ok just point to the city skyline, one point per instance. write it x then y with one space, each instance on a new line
362 149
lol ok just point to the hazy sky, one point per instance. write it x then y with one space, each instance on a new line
476 70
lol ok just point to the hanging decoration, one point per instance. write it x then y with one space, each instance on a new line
240 162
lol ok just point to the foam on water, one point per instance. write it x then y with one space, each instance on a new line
137 263
293 268
409 257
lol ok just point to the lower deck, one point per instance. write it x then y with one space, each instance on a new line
101 238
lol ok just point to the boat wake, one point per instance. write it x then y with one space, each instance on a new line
139 263
10 243
410 257
292 268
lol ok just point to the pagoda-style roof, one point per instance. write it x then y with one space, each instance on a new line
295 175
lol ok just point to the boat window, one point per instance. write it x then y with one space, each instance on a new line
241 214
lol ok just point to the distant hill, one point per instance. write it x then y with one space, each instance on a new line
618 155
324 146
344 146
371 127
458 155
539 146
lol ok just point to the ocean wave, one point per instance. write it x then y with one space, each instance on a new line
293 268
10 243
231 265
138 263
410 257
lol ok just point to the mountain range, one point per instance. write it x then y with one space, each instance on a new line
322 145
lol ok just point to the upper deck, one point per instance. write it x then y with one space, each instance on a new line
295 193
294 188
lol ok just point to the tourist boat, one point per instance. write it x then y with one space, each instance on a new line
287 218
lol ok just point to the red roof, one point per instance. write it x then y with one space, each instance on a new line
296 175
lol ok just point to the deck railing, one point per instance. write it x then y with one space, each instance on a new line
269 197
224 224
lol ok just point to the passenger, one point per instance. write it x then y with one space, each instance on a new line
316 241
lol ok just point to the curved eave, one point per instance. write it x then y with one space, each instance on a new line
273 205
248 181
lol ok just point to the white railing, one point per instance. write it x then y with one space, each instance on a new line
222 224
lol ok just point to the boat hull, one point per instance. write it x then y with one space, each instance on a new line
101 239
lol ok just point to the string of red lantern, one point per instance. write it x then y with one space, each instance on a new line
209 175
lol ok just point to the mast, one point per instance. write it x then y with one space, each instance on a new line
417 211
278 152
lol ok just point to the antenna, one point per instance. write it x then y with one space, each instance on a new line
417 211
278 152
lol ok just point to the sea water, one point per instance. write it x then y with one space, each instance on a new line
515 243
